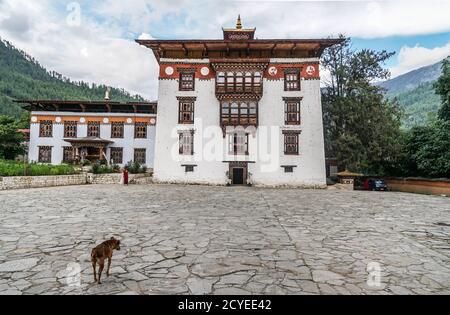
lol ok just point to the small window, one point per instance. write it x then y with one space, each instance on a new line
45 155
186 112
140 130
187 81
70 129
292 112
189 168
187 143
288 169
94 129
291 143
117 130
292 80
68 155
117 155
46 129
140 156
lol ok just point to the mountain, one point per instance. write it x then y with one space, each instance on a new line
22 77
413 79
415 93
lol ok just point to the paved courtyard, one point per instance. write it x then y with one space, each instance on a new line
215 240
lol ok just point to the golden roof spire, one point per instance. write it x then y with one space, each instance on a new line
239 23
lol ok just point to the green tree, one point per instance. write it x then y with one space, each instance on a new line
442 87
362 127
10 139
428 150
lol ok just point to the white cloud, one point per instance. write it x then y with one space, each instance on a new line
102 48
411 58
90 52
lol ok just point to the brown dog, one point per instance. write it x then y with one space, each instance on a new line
102 252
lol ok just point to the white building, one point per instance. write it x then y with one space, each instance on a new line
113 132
240 110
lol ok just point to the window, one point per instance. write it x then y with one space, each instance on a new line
189 168
70 129
187 81
291 143
292 80
288 169
117 130
68 154
239 82
117 155
239 113
140 156
238 143
187 143
46 129
140 130
45 155
186 112
93 129
292 112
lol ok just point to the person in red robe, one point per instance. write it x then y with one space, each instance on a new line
125 177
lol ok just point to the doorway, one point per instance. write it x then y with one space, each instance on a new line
238 176
238 173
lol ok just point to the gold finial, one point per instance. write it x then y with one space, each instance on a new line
239 23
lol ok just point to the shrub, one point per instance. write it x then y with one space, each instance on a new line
135 168
98 168
13 168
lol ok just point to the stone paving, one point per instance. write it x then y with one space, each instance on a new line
216 240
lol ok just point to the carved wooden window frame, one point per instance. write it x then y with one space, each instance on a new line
186 142
70 129
291 142
234 113
140 130
93 129
68 154
292 80
117 130
140 156
45 154
292 111
187 80
238 144
46 129
186 112
116 155
239 82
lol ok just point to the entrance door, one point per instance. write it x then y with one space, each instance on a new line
238 176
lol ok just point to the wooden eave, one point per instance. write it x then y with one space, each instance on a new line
314 46
89 106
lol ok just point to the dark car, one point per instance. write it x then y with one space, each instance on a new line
375 185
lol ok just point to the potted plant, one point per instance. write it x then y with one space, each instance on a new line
229 180
249 180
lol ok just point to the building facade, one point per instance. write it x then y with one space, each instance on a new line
75 131
263 96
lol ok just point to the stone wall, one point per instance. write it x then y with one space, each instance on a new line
22 182
420 186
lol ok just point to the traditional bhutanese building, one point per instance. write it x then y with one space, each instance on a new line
75 131
263 95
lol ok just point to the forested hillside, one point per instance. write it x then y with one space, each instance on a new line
416 95
22 77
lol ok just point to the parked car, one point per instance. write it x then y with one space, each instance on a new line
375 185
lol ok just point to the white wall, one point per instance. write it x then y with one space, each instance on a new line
128 143
310 170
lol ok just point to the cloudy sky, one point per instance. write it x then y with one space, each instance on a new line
93 40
